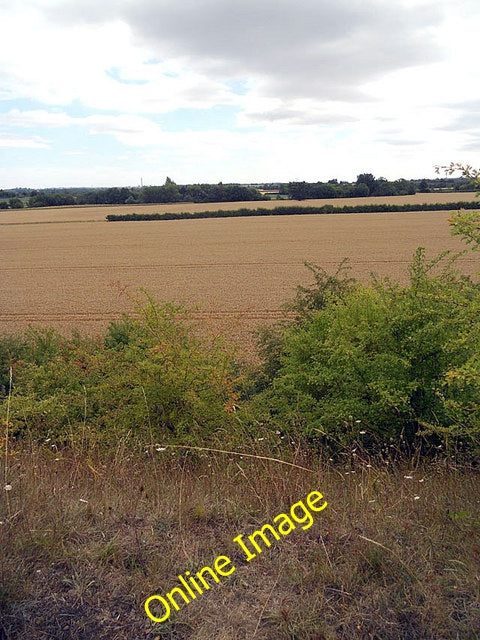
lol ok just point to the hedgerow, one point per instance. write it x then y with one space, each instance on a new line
291 210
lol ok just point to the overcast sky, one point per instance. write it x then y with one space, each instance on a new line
109 92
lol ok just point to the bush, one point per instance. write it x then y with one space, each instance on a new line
150 376
386 362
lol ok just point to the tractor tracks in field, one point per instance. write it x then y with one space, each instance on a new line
191 265
79 317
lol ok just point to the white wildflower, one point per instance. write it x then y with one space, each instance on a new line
8 487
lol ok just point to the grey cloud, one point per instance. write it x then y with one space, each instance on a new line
467 117
465 122
296 116
464 104
314 48
473 145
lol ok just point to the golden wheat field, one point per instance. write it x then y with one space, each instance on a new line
240 270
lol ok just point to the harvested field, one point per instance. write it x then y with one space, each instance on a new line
239 270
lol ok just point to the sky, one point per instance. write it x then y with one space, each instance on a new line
119 92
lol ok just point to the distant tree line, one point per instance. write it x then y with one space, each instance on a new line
365 185
169 192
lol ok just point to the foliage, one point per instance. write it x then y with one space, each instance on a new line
291 210
307 300
467 225
368 179
149 376
385 361
368 185
15 203
313 298
51 199
166 193
463 223
11 349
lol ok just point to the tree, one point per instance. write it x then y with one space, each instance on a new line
383 188
322 190
15 203
171 192
361 190
369 180
298 190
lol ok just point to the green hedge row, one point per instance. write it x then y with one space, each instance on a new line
294 210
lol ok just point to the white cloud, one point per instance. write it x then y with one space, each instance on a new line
11 141
57 65
129 129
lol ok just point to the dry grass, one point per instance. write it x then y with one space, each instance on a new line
90 538
239 270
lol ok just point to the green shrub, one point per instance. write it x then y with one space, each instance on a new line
465 223
150 376
382 362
